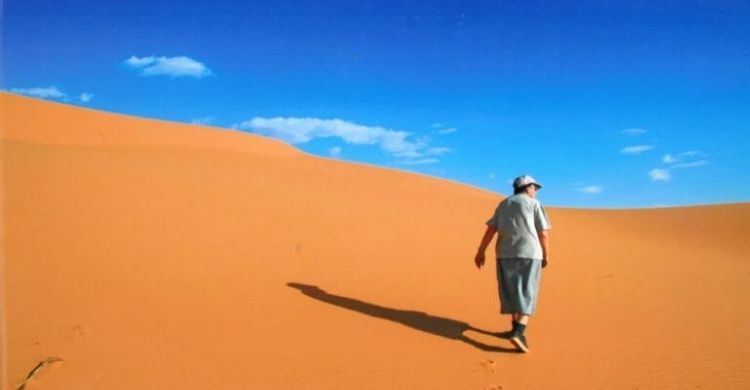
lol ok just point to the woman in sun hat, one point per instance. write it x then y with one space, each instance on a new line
522 250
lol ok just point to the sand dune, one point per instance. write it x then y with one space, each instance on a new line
148 254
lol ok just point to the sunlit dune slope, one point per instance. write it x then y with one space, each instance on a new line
148 254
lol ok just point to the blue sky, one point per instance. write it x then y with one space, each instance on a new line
608 103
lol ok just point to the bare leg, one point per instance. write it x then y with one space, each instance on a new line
521 318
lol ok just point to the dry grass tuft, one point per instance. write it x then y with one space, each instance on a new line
36 369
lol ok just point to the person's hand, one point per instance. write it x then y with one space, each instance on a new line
544 263
479 259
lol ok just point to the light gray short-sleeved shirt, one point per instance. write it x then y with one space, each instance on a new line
518 219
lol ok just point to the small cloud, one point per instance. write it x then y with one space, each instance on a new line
438 151
693 164
335 151
684 156
53 93
442 129
491 176
633 132
421 161
683 160
659 174
591 190
636 149
85 97
42 92
180 66
693 153
203 121
136 62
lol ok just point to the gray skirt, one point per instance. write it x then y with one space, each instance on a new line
518 284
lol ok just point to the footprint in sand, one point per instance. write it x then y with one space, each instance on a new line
75 332
488 366
80 331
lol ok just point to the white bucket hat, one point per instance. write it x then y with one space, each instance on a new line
523 181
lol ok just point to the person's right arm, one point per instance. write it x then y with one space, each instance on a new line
544 240
542 224
489 234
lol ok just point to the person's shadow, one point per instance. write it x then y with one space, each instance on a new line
439 326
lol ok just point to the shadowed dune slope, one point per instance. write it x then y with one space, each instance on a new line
148 254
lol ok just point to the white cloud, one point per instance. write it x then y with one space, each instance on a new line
421 161
301 130
692 164
635 149
633 132
85 97
591 190
659 174
491 176
53 93
136 62
207 120
683 160
180 66
438 151
335 151
42 92
441 129
693 153
679 157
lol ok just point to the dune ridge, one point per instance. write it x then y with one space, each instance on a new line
149 254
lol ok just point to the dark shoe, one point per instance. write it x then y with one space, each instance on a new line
508 333
519 340
504 335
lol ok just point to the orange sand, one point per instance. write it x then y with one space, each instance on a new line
156 255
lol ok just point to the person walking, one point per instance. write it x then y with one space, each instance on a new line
522 250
